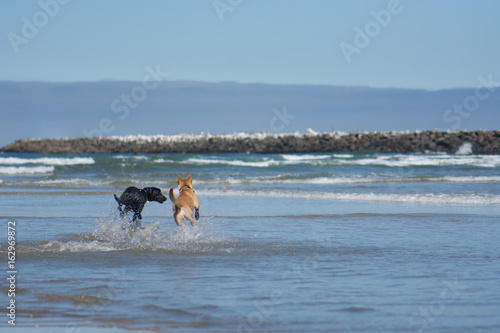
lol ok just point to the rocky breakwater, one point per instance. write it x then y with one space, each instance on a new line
479 142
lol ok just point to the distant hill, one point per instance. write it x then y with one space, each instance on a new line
51 110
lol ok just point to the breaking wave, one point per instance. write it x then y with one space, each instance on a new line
427 198
38 166
46 160
280 179
22 170
383 160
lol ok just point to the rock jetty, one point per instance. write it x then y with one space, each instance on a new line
480 142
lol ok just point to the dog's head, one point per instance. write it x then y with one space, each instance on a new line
184 182
154 194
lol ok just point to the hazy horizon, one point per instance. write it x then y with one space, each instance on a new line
122 108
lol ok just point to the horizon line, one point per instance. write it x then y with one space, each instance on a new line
238 83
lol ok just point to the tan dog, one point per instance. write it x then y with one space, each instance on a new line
187 204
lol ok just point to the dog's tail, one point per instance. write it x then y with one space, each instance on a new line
174 200
117 199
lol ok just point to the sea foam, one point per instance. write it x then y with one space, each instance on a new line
21 170
427 198
46 160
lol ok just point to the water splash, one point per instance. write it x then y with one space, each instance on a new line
116 231
465 149
114 234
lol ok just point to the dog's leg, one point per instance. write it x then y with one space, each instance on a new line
139 211
136 223
192 220
196 209
122 213
125 211
137 217
190 217
178 217
133 223
119 206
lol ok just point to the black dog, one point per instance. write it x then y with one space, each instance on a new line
134 200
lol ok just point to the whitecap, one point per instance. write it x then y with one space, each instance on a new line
485 161
70 182
294 157
468 179
47 160
430 198
258 164
132 157
21 170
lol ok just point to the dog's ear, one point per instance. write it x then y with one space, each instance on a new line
189 177
178 178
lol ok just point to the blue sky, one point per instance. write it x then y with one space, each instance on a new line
425 44
311 55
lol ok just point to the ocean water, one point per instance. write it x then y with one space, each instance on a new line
332 242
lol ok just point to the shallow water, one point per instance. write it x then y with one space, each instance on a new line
301 243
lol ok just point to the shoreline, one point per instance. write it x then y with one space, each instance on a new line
472 142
